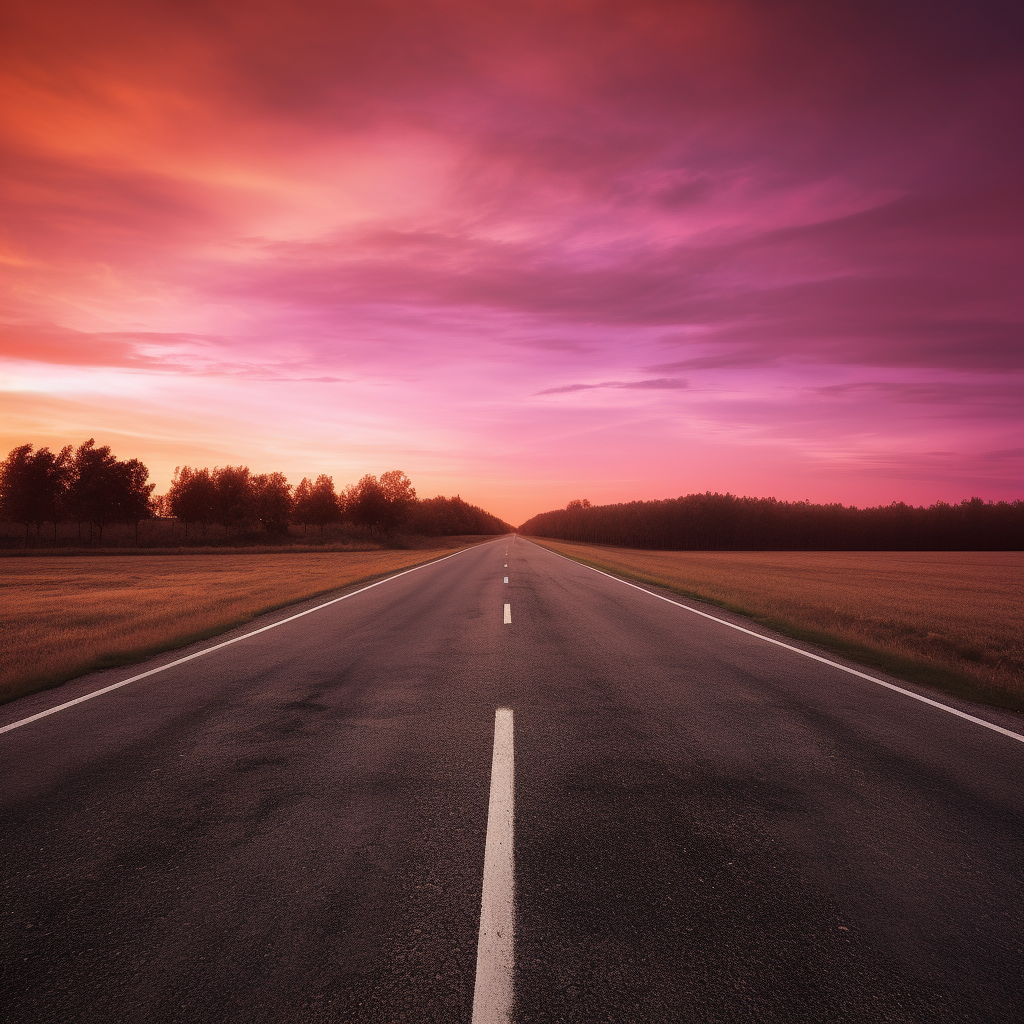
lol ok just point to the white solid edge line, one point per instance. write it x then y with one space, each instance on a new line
507 619
492 994
217 647
808 654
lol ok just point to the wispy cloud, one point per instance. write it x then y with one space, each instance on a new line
660 384
465 202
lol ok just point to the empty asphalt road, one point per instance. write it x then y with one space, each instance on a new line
707 827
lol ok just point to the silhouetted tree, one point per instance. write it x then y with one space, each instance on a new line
347 498
382 504
234 495
93 495
368 505
133 493
52 478
399 498
271 502
301 509
103 490
192 497
317 503
33 486
323 503
18 503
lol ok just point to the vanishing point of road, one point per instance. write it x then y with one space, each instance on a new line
507 787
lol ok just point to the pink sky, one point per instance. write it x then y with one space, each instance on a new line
525 252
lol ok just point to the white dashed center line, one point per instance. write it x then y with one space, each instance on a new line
508 615
492 996
506 579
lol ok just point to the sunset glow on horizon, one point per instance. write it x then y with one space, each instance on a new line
525 252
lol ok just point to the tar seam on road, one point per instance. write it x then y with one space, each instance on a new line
217 647
492 994
507 620
815 657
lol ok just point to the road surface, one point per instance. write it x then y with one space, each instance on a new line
707 827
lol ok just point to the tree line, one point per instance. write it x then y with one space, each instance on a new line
85 484
90 486
725 522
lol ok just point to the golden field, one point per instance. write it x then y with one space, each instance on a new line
952 618
61 616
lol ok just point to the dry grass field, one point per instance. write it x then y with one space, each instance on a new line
64 615
948 618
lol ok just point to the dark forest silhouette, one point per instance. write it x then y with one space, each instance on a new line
724 522
91 487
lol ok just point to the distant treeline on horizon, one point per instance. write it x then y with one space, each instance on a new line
725 522
90 485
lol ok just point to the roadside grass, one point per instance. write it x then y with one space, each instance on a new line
948 619
159 532
62 616
250 546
